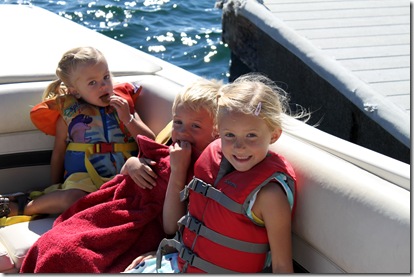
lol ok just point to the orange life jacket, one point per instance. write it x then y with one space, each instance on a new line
45 115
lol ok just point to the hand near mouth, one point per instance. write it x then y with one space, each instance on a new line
121 106
180 156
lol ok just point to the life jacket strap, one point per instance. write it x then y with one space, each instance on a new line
102 147
211 192
90 149
187 255
199 228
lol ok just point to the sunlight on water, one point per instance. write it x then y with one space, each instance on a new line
185 33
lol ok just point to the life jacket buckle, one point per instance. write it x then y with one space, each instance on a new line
104 147
201 187
187 255
194 225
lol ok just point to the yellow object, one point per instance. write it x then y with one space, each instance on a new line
165 134
90 149
6 221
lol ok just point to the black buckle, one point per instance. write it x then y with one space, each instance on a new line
187 255
194 225
201 187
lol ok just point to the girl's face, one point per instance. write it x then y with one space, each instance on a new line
245 139
195 127
93 83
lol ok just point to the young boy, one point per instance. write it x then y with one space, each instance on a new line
193 114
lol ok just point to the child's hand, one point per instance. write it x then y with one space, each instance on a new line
122 108
139 259
180 156
140 171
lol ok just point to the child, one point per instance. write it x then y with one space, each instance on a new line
125 215
193 114
241 198
94 130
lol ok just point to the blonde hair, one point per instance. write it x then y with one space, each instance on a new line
255 94
70 60
200 94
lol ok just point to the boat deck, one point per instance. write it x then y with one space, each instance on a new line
347 61
369 38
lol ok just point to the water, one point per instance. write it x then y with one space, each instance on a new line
184 33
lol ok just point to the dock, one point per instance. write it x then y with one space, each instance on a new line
348 62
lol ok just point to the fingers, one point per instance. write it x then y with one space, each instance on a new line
180 144
145 178
134 263
148 170
139 259
149 162
121 105
118 101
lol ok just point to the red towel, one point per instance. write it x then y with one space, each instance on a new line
107 229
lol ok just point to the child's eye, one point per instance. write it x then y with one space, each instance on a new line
177 122
251 135
229 135
195 126
107 77
91 83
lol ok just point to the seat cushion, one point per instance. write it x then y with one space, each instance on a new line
18 238
6 262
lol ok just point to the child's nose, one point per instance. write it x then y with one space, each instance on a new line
104 84
239 143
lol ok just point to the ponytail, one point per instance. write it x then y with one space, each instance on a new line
53 90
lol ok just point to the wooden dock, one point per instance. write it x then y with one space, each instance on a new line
348 61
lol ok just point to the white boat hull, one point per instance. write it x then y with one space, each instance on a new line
353 209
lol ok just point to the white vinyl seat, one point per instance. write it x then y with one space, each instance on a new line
6 262
16 239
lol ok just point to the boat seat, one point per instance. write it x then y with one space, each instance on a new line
6 262
16 240
347 219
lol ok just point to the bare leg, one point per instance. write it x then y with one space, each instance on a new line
51 203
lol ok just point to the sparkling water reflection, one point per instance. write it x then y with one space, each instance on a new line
185 33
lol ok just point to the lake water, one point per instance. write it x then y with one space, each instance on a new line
184 33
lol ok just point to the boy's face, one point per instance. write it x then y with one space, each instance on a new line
195 127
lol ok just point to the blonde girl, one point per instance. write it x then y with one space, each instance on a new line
241 199
94 124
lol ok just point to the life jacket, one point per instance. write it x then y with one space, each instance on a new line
99 143
216 235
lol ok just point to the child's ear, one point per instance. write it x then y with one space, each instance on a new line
216 134
72 91
275 135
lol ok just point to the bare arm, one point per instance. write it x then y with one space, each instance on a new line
174 209
273 207
134 124
59 150
138 127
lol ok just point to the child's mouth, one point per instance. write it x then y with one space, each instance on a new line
105 98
